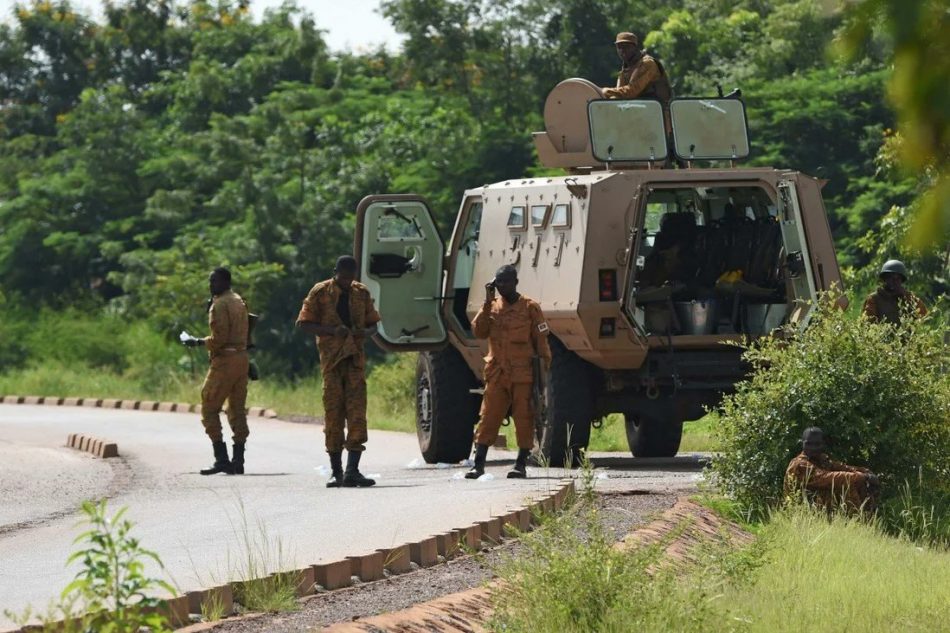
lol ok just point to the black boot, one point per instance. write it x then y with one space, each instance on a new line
237 460
336 467
221 463
520 469
481 452
352 478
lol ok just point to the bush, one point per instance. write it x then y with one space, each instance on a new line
880 393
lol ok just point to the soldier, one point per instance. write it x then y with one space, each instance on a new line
340 313
641 76
516 333
826 483
227 376
887 302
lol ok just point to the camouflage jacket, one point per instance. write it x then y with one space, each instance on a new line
823 481
516 333
885 306
319 307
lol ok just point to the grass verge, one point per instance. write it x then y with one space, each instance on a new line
804 572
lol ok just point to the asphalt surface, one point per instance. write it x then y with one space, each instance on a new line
203 528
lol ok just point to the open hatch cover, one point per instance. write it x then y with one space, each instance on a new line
709 129
627 130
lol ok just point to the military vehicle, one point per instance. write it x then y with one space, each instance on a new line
651 251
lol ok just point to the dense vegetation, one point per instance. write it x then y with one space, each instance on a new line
139 151
880 393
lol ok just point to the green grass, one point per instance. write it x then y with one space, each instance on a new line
842 575
804 572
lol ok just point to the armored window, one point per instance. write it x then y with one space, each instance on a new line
539 215
399 225
561 218
516 219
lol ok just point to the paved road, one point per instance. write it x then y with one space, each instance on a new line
203 527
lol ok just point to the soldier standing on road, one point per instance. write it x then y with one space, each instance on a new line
340 313
888 302
641 75
828 484
227 376
516 333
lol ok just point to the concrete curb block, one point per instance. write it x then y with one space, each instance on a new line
128 405
424 553
97 447
367 567
333 575
396 559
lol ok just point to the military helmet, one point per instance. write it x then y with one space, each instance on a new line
895 266
627 38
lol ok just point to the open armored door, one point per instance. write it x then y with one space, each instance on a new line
632 309
798 269
400 253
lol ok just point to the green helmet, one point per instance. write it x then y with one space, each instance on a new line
894 266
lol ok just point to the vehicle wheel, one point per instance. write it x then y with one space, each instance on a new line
652 435
446 412
570 407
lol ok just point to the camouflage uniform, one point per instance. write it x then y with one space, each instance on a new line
644 79
227 376
516 333
342 362
884 306
829 484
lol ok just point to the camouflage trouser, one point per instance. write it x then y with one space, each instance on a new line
344 407
500 395
226 380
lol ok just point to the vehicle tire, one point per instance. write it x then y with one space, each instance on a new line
446 411
653 435
570 407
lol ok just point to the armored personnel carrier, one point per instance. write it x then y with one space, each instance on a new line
652 250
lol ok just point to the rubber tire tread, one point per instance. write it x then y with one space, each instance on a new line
454 409
570 400
653 437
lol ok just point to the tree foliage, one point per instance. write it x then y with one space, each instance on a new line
140 150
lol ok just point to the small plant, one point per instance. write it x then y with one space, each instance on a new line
259 590
212 608
112 592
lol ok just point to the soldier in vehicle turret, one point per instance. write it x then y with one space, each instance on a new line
516 333
641 75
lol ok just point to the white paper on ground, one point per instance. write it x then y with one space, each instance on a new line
443 465
458 475
602 476
324 471
416 463
486 477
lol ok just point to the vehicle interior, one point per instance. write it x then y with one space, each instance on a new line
710 261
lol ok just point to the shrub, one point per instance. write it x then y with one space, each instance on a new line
880 393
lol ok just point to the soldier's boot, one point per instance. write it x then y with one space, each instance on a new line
336 468
353 478
481 452
520 470
237 459
221 463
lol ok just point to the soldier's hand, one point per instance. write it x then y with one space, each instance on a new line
341 331
193 342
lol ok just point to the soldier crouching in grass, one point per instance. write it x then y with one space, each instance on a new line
828 484
227 377
340 313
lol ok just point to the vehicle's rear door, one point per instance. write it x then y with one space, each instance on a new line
798 268
401 262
